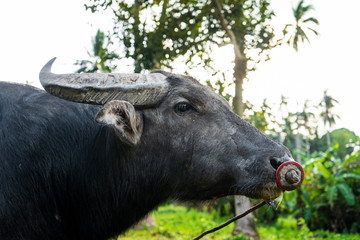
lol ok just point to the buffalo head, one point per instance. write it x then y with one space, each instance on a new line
187 133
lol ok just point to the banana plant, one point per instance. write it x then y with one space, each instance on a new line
336 177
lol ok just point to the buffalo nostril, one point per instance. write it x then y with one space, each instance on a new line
292 177
275 163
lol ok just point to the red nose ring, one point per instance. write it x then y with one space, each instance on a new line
289 175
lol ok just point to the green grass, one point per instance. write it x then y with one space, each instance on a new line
177 222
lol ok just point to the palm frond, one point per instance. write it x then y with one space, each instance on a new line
302 34
312 19
305 9
314 31
297 11
295 42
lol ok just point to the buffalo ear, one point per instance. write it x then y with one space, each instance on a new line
123 117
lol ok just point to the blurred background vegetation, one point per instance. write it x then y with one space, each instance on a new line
156 33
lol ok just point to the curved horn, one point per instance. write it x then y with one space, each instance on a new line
100 88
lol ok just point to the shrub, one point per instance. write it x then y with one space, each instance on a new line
330 195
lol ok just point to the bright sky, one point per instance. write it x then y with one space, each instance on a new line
32 32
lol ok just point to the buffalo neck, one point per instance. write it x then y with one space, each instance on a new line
115 184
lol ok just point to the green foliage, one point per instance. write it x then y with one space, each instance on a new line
330 195
154 33
220 86
262 117
178 222
343 137
101 57
292 229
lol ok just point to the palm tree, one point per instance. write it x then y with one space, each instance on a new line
298 31
101 57
305 118
297 136
328 103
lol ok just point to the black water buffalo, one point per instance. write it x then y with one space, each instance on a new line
74 170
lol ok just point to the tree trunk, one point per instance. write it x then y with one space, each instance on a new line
307 147
298 146
328 138
160 32
137 37
246 224
240 71
297 138
146 223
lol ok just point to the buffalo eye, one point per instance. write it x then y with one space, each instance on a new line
184 108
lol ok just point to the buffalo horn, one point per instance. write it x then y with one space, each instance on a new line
99 88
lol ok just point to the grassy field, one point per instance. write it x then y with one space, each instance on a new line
177 222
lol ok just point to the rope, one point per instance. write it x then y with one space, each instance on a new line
231 220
